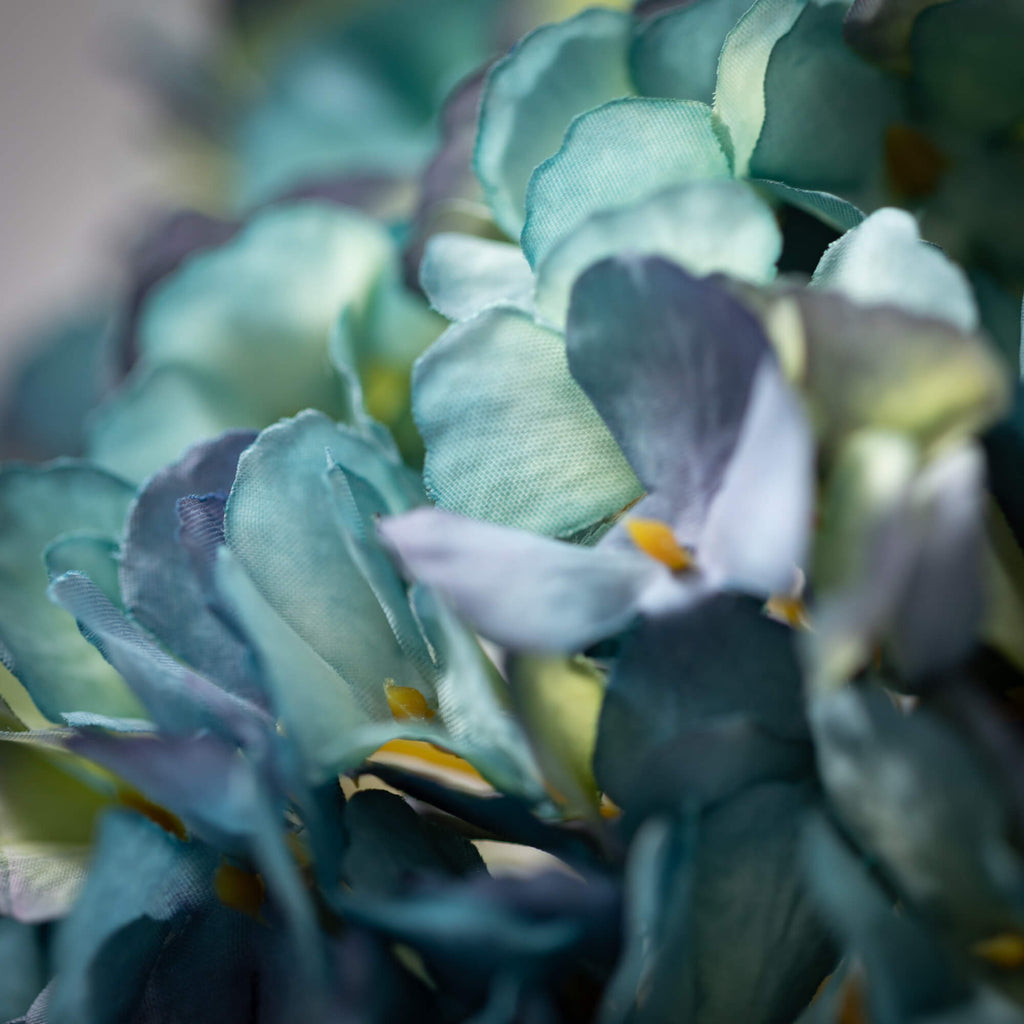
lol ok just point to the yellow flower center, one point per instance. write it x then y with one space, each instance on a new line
1005 950
406 702
656 539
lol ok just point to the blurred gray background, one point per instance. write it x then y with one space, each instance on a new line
80 160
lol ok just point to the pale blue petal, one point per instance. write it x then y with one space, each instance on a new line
531 96
519 589
617 153
706 227
462 275
885 262
509 435
759 523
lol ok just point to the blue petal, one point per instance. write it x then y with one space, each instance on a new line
161 588
519 589
669 362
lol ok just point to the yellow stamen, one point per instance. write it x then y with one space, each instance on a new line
608 809
915 164
1005 950
406 702
427 752
655 538
169 822
788 609
239 889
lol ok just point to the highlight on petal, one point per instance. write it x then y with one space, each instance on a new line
531 96
883 261
518 589
509 435
706 227
615 154
463 275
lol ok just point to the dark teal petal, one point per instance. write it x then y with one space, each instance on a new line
880 29
533 94
162 590
824 206
43 646
552 595
23 953
826 110
617 153
676 53
509 435
669 362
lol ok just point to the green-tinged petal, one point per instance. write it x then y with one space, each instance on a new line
742 65
95 556
510 437
885 262
533 94
826 110
47 819
882 367
676 54
558 700
463 275
617 153
44 648
706 227
281 526
159 414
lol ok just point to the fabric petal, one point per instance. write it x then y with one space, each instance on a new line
759 523
669 361
463 275
706 227
509 435
531 95
42 645
518 589
617 153
884 261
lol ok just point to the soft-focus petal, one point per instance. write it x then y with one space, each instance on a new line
462 275
43 646
533 94
884 262
509 435
759 522
617 153
519 589
669 362
706 227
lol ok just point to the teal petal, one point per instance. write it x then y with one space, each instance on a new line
885 262
43 647
531 96
676 54
243 332
96 556
739 89
510 437
282 528
706 227
826 110
617 153
462 275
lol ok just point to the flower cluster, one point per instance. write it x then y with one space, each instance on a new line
552 548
